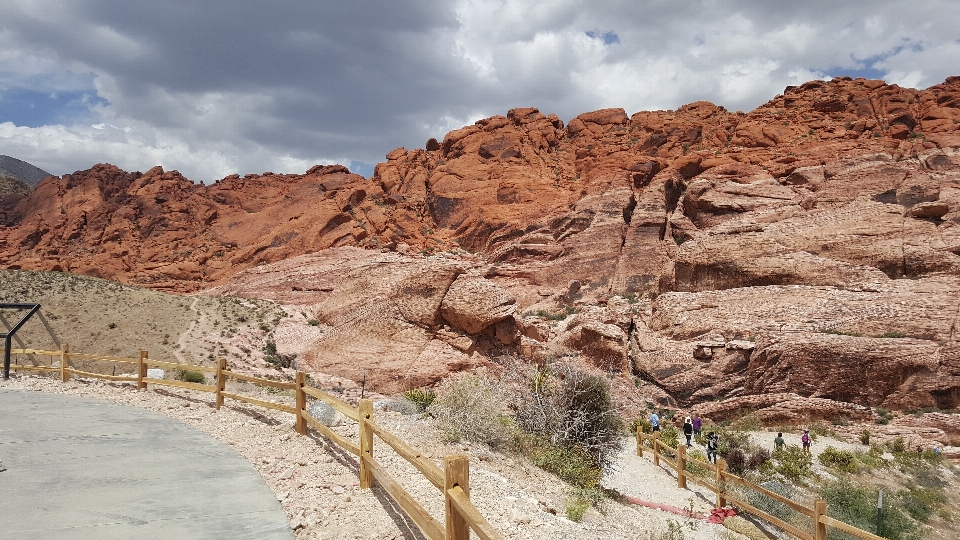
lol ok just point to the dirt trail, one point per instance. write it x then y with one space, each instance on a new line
185 335
637 477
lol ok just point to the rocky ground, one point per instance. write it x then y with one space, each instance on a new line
317 484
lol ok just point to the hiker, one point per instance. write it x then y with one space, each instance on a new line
697 424
712 442
655 421
687 429
779 443
805 439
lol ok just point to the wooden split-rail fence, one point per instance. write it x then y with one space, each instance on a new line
721 479
453 480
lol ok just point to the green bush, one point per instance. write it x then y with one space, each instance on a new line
695 457
569 463
921 502
191 376
580 499
669 435
643 424
897 446
842 460
865 437
858 506
420 397
793 462
569 408
469 407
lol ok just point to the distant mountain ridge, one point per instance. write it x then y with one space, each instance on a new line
30 174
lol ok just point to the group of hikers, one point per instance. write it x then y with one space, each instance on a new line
692 428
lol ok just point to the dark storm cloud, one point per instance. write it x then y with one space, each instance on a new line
219 87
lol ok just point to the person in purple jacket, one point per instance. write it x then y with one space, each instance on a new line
697 424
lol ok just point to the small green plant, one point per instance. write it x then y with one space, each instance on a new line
191 376
576 508
420 397
883 416
865 437
580 499
313 322
793 463
569 463
898 445
837 332
842 460
112 326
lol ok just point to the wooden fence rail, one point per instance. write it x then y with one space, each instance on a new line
453 480
821 521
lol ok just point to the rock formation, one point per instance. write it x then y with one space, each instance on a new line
802 259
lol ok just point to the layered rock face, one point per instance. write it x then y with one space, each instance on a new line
809 249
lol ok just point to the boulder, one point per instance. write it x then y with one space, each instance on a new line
473 303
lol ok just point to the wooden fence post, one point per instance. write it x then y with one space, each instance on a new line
721 483
681 466
639 441
457 469
301 380
820 529
64 362
366 442
141 371
656 449
221 381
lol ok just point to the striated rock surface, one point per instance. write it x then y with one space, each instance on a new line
809 249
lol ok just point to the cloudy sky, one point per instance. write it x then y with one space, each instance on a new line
213 88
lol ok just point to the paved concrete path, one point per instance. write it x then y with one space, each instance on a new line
80 468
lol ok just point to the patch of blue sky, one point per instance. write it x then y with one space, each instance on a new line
34 108
361 168
609 37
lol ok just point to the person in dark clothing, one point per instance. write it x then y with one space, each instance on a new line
687 429
697 424
712 442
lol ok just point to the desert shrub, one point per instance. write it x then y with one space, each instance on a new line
793 462
669 435
873 458
736 461
694 459
922 502
576 508
580 499
842 460
191 376
897 446
865 437
758 458
569 463
569 408
643 424
883 416
857 506
420 397
469 407
769 504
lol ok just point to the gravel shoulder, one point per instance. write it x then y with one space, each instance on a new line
316 482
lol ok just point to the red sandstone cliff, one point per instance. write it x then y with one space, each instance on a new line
746 238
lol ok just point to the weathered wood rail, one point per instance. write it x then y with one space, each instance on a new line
722 478
453 480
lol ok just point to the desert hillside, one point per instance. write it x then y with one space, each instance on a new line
802 259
